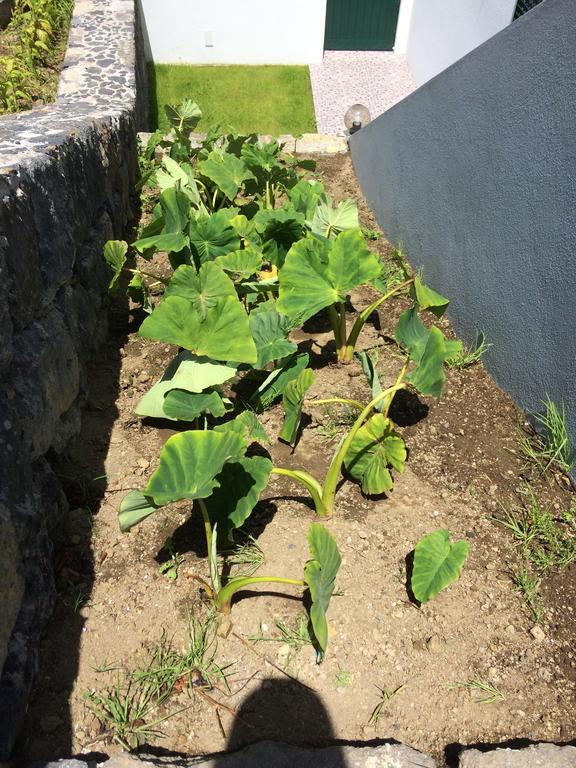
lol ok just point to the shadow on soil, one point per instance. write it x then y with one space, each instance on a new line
47 730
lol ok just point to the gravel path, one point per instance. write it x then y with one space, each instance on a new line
377 79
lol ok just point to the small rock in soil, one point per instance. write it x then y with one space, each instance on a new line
537 633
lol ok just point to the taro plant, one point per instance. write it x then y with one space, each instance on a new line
319 273
437 564
372 446
212 469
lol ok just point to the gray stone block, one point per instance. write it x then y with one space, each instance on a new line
535 756
276 755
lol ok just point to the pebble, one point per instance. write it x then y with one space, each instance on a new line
142 462
537 633
434 644
510 629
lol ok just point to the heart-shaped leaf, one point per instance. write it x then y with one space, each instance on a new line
189 465
274 385
318 273
437 563
228 172
240 484
320 574
428 349
426 298
242 264
223 334
247 425
329 221
134 508
203 288
375 447
269 330
212 236
292 402
186 372
181 405
184 117
170 242
115 255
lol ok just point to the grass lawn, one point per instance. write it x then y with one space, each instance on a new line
263 99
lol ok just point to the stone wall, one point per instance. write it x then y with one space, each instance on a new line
67 174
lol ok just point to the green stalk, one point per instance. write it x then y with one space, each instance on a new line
331 481
223 599
210 545
350 344
334 316
344 400
309 482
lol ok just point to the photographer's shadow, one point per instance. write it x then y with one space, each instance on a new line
281 711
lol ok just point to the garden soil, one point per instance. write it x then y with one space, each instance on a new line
393 671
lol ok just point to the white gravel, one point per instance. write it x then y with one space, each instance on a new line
377 79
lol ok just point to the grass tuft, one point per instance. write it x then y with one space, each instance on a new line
552 448
489 694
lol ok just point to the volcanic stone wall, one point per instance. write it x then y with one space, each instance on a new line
67 174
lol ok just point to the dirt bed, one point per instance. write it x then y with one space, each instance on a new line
463 465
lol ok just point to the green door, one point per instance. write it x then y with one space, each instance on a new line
361 25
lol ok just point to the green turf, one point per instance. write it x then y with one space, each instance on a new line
263 99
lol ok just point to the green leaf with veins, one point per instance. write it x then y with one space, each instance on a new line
269 330
292 402
185 116
247 425
171 242
186 372
240 484
329 221
226 171
181 405
203 288
275 383
375 447
115 256
134 508
175 207
190 463
318 273
212 236
223 334
437 563
305 196
320 576
426 298
242 264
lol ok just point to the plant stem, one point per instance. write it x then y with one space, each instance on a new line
309 482
334 316
224 597
333 474
344 400
214 578
350 344
341 309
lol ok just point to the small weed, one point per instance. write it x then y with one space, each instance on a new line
552 448
529 587
247 557
334 420
296 637
489 694
467 356
343 678
385 696
171 566
371 234
397 268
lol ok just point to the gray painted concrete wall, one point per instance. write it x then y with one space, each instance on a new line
475 173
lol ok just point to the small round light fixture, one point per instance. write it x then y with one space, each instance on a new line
356 117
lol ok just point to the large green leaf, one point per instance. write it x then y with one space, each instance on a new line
175 207
170 242
279 229
371 374
428 349
186 372
115 256
228 172
240 484
134 508
189 465
329 221
320 575
212 236
178 174
426 298
292 402
305 196
437 563
203 288
247 425
181 405
223 334
241 264
275 384
185 116
269 330
375 447
318 273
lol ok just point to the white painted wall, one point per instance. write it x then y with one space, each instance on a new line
435 33
241 31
